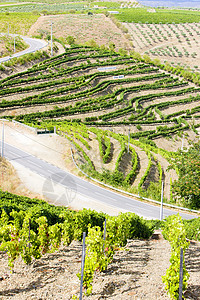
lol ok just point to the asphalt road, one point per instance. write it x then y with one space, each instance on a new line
87 189
34 45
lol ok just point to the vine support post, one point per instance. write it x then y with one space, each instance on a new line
161 205
51 39
2 142
14 44
128 139
104 235
29 233
181 275
82 266
182 142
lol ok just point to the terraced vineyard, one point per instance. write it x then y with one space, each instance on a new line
95 97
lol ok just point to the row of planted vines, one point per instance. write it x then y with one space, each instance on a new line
118 111
32 228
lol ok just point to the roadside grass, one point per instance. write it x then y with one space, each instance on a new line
10 181
8 177
7 45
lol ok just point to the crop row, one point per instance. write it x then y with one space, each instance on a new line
78 81
72 110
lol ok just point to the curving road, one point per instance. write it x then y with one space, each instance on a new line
86 189
34 45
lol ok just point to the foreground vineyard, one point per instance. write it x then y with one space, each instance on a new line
40 233
95 97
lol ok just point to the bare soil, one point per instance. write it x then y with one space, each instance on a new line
135 273
175 43
83 27
10 182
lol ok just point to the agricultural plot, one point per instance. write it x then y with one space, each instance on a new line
44 8
18 23
83 27
124 117
175 43
156 16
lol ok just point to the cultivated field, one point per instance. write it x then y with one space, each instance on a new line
175 43
19 23
95 96
83 27
109 93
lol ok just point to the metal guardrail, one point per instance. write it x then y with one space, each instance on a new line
34 129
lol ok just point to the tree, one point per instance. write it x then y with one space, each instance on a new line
187 187
111 46
70 40
146 58
135 55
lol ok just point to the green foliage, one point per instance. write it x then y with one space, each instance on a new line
27 233
142 180
174 232
147 141
104 144
18 22
76 87
99 253
132 173
22 60
115 178
152 192
70 40
192 228
43 235
187 187
141 15
95 257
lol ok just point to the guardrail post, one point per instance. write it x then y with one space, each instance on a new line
128 139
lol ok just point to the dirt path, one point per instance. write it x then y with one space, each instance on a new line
135 273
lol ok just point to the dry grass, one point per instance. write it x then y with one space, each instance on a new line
83 27
9 181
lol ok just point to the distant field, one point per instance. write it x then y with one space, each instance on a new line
142 15
176 43
19 23
60 7
3 3
82 27
48 1
55 7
